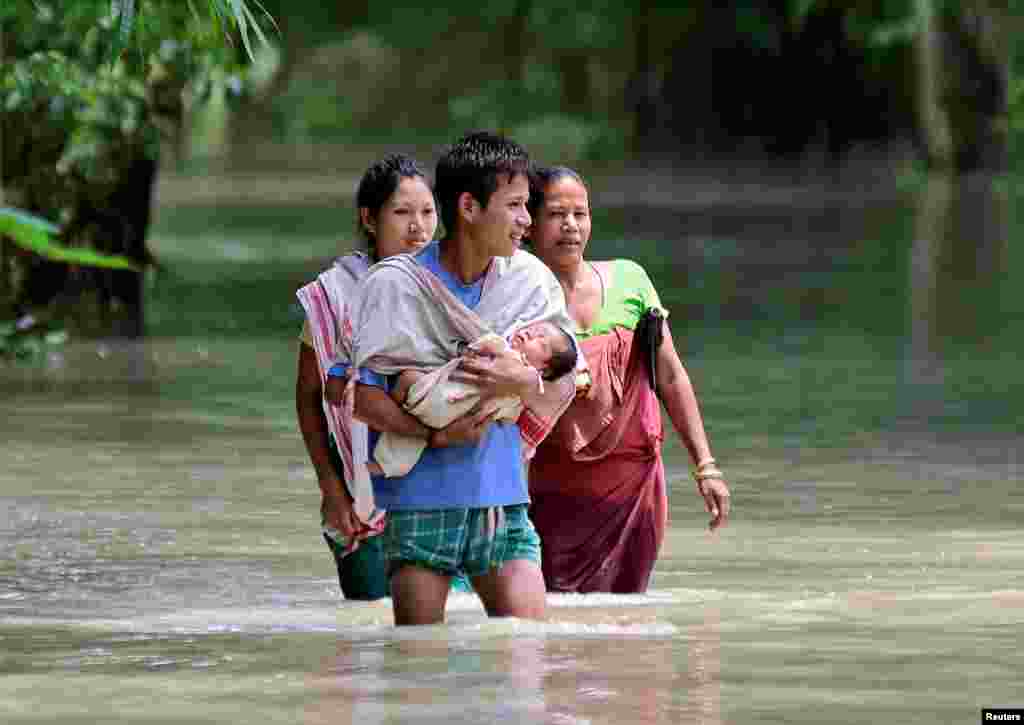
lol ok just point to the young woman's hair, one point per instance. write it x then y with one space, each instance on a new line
473 164
544 176
376 187
562 360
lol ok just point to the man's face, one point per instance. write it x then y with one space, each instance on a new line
502 224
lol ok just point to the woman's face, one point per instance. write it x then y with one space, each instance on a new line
562 228
407 220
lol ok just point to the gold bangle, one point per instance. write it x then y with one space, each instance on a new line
706 474
705 462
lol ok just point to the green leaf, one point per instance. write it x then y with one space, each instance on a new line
242 20
255 26
195 13
127 20
219 21
56 337
13 100
35 234
21 224
267 14
124 11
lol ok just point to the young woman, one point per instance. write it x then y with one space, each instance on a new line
395 214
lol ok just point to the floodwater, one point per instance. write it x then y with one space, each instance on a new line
858 366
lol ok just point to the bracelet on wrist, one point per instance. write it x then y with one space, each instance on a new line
706 469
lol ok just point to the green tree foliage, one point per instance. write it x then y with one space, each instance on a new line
90 92
550 73
962 66
781 77
93 76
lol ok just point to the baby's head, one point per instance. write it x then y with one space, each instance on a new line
546 347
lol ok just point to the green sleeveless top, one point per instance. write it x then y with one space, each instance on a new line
628 295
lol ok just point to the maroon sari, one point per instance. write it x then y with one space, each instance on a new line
597 483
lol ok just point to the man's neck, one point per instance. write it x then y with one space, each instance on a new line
461 256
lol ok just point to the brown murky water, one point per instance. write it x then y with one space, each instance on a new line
160 559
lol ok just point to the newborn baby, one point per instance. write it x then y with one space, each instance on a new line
436 400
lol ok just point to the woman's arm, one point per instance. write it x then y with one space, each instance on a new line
337 503
680 401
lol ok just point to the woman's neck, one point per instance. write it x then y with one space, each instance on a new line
573 275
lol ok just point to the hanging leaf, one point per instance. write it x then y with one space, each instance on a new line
122 17
242 21
225 16
25 228
35 234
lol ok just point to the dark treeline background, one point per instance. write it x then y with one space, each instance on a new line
762 85
601 79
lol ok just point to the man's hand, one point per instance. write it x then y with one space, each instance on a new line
466 430
497 377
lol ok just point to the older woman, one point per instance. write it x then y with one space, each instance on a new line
396 214
597 484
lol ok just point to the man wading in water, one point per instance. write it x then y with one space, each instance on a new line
463 506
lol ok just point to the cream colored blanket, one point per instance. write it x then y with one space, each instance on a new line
405 318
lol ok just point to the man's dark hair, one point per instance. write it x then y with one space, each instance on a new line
379 182
474 163
562 361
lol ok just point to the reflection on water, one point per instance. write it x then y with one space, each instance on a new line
705 671
158 535
432 680
560 672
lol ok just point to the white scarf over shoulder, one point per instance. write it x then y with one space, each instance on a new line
404 317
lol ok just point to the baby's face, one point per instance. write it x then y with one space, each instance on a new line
536 343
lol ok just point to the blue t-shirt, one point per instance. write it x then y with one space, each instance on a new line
489 473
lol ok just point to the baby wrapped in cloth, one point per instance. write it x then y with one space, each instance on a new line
428 328
437 400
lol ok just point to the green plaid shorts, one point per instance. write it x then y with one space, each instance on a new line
470 541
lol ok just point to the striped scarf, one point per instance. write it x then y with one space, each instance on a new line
325 301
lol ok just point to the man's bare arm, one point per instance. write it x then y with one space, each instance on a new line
379 411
